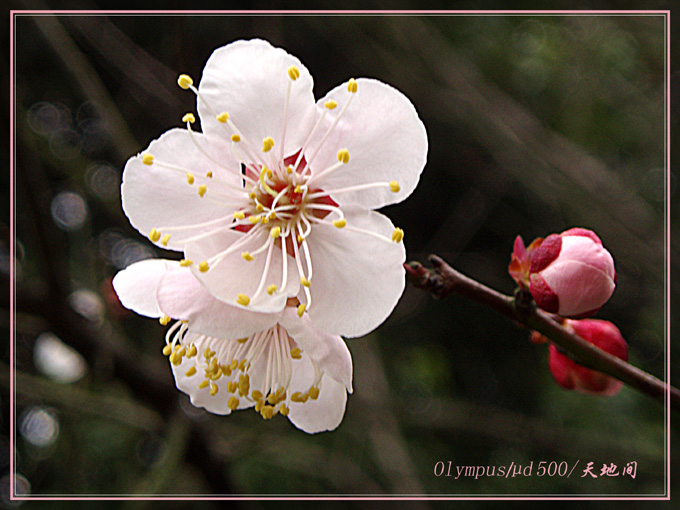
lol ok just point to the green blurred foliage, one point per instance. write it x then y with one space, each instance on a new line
535 124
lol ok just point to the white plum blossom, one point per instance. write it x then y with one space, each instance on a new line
274 199
226 358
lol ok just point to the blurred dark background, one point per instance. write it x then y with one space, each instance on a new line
535 124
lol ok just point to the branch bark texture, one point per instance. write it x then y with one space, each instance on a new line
443 280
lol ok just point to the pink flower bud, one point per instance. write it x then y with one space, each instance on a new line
573 376
572 274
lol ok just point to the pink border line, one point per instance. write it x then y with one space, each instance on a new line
12 255
668 246
14 13
342 12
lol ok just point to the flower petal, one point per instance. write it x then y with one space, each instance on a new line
136 285
322 414
386 141
329 351
233 275
357 278
249 80
182 296
155 196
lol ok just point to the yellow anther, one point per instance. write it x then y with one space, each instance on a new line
213 365
298 189
267 412
257 395
313 392
397 235
272 215
213 389
202 189
253 195
203 266
239 215
253 219
270 174
233 364
207 354
235 138
182 351
340 223
165 239
147 159
167 349
247 256
190 372
271 398
289 169
190 178
192 351
242 340
352 86
305 282
209 175
330 104
189 117
299 397
293 73
300 238
258 405
284 410
259 207
394 187
267 144
243 388
164 320
232 386
222 117
185 81
271 289
296 353
275 232
243 300
242 366
232 403
301 309
203 384
343 155
154 235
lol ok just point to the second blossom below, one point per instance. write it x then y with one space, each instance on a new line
226 358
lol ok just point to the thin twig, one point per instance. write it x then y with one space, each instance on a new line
443 280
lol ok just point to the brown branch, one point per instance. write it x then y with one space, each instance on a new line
443 280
